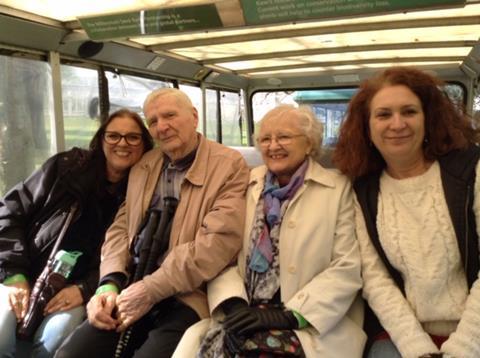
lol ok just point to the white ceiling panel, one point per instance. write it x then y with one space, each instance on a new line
445 36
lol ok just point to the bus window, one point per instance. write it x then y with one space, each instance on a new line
25 115
234 130
211 110
127 91
262 102
456 93
476 109
195 95
80 109
224 120
329 105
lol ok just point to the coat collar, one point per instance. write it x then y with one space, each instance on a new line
198 171
153 161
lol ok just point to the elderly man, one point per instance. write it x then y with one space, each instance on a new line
181 225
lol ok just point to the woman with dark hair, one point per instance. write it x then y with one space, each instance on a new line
33 213
413 158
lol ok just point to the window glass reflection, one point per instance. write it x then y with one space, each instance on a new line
80 105
25 116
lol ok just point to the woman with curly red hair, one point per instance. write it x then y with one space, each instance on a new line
413 157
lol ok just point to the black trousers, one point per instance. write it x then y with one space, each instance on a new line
154 335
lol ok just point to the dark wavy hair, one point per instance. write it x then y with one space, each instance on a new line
447 127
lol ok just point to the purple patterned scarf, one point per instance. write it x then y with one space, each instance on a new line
273 196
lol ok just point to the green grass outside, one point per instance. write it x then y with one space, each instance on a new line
79 131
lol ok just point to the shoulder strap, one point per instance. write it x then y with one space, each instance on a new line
367 190
61 235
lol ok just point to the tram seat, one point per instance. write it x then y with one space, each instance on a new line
251 154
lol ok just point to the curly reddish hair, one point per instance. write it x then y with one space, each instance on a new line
447 127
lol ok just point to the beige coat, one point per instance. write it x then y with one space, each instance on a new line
319 266
207 227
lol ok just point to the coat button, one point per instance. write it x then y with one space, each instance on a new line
291 224
301 295
292 269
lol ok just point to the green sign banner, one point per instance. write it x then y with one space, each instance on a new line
273 11
150 22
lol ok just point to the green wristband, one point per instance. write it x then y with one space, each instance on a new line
108 287
302 322
15 279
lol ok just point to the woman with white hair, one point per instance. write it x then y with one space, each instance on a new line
294 287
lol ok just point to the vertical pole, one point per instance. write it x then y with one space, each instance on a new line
57 130
204 109
219 117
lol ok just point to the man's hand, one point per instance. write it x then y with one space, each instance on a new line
133 303
68 298
19 296
100 311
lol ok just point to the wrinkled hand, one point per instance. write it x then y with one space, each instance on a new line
133 303
100 311
248 320
18 297
68 298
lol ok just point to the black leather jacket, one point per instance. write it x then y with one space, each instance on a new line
32 214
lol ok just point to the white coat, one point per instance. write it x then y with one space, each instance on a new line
319 266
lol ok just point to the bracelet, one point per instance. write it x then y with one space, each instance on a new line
302 322
17 278
108 287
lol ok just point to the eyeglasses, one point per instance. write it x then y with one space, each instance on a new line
282 139
133 139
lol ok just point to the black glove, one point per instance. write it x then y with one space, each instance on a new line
232 305
233 344
248 320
